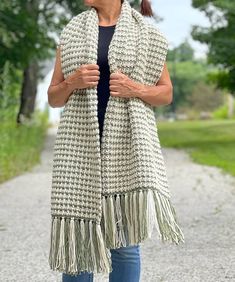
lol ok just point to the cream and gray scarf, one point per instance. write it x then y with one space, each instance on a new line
109 196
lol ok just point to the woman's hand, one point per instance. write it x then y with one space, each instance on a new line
155 95
60 89
122 86
84 77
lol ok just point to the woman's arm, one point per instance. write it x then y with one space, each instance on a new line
159 94
58 91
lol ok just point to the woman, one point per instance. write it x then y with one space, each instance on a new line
125 259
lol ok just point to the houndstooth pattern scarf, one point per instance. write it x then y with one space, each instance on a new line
109 195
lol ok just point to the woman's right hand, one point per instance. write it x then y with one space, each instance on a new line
60 89
85 76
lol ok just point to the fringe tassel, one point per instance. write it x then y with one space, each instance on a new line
136 214
120 236
78 245
103 262
72 249
60 260
54 241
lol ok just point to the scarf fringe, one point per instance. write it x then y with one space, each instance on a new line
128 219
82 240
135 215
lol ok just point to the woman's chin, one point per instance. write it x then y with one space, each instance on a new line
88 2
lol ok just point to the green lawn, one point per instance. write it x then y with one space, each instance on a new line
208 142
20 147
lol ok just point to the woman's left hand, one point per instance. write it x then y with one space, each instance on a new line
121 85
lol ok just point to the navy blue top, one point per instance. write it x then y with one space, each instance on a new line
103 92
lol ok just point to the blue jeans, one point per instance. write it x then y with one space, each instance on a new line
125 263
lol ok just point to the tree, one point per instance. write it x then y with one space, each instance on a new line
220 39
184 52
205 97
25 40
185 72
184 76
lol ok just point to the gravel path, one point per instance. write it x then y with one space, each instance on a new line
204 200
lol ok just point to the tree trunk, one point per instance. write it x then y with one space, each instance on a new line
28 92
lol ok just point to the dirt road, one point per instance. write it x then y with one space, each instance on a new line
204 199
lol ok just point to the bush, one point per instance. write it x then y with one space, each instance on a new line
222 112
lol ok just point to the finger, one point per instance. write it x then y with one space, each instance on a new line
92 67
93 72
114 93
92 78
115 75
114 82
113 87
92 83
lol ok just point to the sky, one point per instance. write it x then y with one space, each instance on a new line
178 17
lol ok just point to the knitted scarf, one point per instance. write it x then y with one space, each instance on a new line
111 194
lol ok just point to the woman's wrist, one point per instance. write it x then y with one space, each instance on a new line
140 90
68 86
66 89
155 95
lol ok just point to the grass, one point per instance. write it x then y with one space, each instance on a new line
210 142
20 147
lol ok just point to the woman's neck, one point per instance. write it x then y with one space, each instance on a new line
109 13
